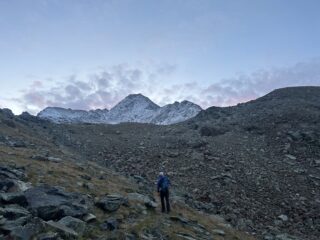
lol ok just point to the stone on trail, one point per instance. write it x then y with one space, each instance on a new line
111 203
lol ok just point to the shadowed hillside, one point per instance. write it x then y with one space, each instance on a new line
48 190
255 164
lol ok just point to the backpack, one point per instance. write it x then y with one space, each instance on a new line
165 184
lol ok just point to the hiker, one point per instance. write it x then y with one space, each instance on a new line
163 189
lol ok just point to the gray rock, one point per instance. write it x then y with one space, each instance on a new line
148 202
17 144
283 217
285 236
40 157
48 236
7 112
65 232
11 173
74 223
13 185
218 232
12 218
22 186
11 225
290 156
28 230
111 203
89 186
89 217
186 236
52 203
86 177
110 224
13 198
130 236
179 219
268 237
13 212
6 185
54 159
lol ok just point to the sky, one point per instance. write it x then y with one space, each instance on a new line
89 54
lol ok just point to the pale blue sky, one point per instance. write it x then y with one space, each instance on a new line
190 45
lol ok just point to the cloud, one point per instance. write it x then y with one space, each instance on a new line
245 87
102 89
106 87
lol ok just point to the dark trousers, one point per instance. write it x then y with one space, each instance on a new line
164 196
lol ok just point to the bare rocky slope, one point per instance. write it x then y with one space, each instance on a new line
49 191
256 164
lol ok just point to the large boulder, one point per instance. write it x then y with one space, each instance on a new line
74 223
53 203
7 172
12 179
13 198
64 231
28 230
11 212
111 203
12 217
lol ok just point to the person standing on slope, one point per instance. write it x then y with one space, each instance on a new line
163 189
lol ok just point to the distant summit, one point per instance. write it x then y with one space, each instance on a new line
133 108
176 112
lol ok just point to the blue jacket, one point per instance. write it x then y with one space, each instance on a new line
163 182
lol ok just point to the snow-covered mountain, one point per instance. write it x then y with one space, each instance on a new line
176 112
63 115
133 108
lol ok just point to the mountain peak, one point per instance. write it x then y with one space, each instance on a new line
139 99
133 108
176 112
136 95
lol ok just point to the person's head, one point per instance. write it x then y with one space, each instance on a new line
161 173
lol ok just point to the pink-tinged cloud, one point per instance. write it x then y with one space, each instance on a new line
243 88
106 88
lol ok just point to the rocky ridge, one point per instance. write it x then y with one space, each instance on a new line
134 108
